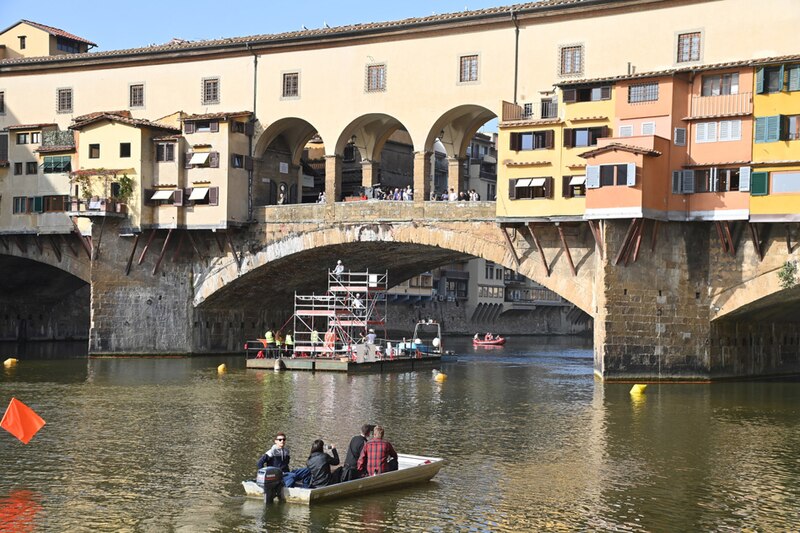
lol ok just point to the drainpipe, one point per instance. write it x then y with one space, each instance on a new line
516 52
250 137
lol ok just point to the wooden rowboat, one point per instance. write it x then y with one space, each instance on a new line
498 341
411 469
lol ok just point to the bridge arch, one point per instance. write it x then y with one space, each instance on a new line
295 133
456 127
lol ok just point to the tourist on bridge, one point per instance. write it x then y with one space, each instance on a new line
452 196
350 469
277 456
378 455
320 462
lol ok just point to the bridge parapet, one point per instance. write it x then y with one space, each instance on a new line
377 211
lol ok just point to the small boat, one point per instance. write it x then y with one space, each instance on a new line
411 469
497 341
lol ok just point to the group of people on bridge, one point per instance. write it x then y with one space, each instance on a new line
368 454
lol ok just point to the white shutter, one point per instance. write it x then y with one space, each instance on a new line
713 182
711 132
626 131
680 136
725 130
687 187
648 128
592 176
631 175
736 130
744 179
677 176
700 132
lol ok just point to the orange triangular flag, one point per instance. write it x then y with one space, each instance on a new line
21 421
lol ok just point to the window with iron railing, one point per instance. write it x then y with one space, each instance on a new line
643 92
689 47
468 70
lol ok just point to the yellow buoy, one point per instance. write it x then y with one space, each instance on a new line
10 362
221 369
438 376
638 389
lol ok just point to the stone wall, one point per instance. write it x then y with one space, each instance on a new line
35 320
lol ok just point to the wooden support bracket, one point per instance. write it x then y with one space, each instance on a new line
163 251
638 241
626 241
756 240
598 237
721 235
86 242
233 250
654 236
194 245
727 231
566 250
133 252
56 247
220 245
539 247
96 249
20 242
510 245
789 247
178 248
147 246
68 244
38 242
4 242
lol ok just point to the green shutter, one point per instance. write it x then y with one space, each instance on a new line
773 129
761 130
781 78
759 183
760 81
38 204
794 78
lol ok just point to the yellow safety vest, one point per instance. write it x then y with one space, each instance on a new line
289 340
269 337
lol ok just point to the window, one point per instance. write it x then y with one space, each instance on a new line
238 127
688 47
137 95
22 39
530 188
680 136
17 169
291 85
349 153
579 137
730 130
64 100
2 102
759 184
712 180
573 186
532 140
36 137
648 128
203 195
237 161
31 167
571 60
22 138
57 164
68 46
468 70
94 151
770 80
643 92
626 131
785 182
720 84
793 127
124 149
488 271
55 204
771 129
794 79
20 205
705 132
165 152
376 78
586 94
610 175
210 91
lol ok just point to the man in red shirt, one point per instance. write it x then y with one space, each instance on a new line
378 455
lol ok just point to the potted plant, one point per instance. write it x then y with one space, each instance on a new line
124 193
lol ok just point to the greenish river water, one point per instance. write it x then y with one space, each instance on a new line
533 443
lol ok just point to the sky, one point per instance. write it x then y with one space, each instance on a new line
114 24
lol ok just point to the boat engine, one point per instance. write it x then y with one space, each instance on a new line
270 479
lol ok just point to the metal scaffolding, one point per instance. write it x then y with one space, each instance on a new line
331 324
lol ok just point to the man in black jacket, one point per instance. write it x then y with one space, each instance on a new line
277 456
350 471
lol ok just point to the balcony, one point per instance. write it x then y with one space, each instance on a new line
97 207
722 105
542 110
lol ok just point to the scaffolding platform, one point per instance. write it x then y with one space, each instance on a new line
327 364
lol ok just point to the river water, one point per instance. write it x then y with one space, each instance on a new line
533 443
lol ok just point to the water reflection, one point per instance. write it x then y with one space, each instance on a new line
532 443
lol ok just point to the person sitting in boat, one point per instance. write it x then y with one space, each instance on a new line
319 463
476 337
378 455
488 337
350 469
277 456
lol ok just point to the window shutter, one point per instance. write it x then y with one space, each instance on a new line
713 181
761 130
725 130
700 132
569 95
512 189
249 128
213 160
781 78
187 159
566 190
760 81
214 126
744 179
187 193
548 187
248 162
38 204
758 183
677 178
568 138
177 197
148 193
680 136
784 128
549 137
773 128
631 175
592 176
736 130
188 127
514 142
794 78
604 132
711 132
213 196
605 93
687 186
